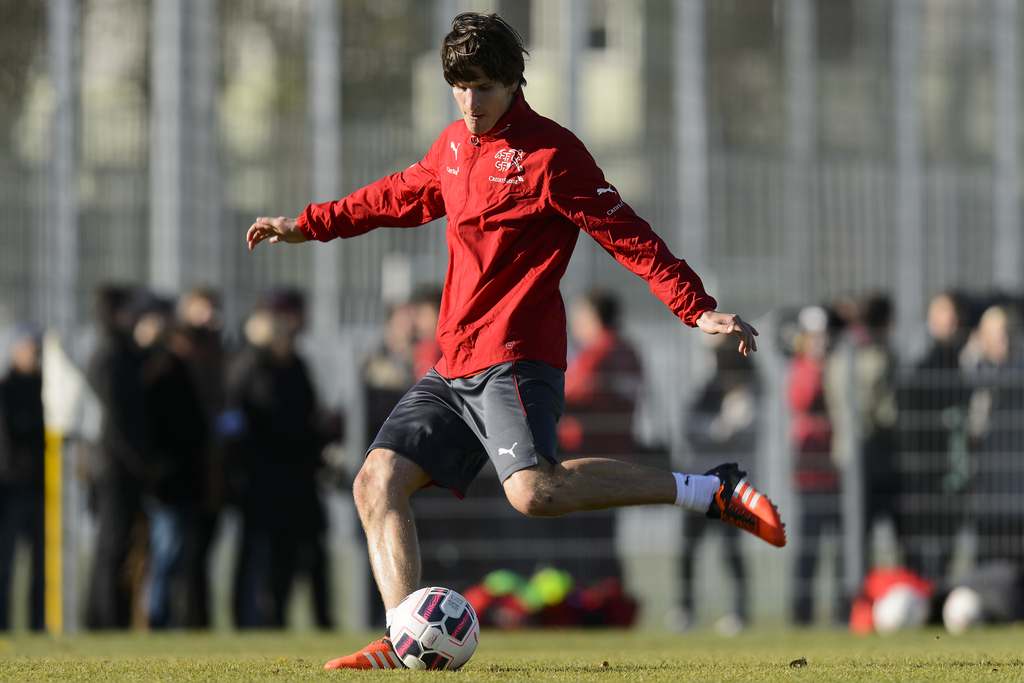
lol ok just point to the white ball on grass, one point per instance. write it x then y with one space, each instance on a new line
434 628
962 610
901 607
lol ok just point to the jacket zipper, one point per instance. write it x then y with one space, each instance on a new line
469 171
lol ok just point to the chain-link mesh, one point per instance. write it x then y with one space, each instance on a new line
829 151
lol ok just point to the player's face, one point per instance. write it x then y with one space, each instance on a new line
483 101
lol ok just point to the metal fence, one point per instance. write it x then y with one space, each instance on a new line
795 152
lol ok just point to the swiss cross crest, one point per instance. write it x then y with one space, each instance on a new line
507 158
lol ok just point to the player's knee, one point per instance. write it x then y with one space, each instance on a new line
530 504
385 478
527 494
373 480
364 489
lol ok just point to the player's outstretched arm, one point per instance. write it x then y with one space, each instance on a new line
713 322
278 229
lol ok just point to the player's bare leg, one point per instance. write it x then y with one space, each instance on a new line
551 489
382 490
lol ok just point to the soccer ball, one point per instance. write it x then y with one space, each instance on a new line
902 607
962 610
435 628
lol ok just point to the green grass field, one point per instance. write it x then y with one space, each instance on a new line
759 655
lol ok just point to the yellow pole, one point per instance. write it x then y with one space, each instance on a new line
54 532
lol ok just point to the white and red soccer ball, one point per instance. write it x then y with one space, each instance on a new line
963 610
435 628
900 608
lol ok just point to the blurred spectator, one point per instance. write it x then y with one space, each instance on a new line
426 309
816 479
932 442
722 427
602 383
602 386
197 341
279 452
876 411
176 478
22 447
860 391
995 366
122 462
388 372
408 346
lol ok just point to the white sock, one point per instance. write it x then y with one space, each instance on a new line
695 491
388 616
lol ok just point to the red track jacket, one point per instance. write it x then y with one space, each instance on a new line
516 199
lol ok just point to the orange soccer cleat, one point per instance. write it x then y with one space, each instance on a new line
377 655
739 504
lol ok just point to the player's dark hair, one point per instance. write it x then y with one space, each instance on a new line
485 42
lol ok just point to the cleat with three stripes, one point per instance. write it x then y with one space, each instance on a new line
377 655
738 503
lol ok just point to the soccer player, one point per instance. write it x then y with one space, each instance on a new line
517 189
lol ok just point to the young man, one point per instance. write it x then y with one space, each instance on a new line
516 188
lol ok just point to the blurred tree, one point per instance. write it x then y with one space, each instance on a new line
22 49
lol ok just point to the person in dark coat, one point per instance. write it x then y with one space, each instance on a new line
196 339
175 485
996 376
278 455
22 447
122 463
722 426
932 441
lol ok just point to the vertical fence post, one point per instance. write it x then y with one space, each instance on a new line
799 72
691 130
59 263
846 421
573 26
165 147
185 203
59 260
324 97
801 139
444 12
324 93
908 183
691 153
202 235
1007 239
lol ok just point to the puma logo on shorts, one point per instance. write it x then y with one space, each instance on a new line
451 426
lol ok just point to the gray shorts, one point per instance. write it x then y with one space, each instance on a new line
449 427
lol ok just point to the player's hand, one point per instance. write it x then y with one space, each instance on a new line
279 229
713 322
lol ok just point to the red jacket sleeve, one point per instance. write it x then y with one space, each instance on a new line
402 200
573 191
